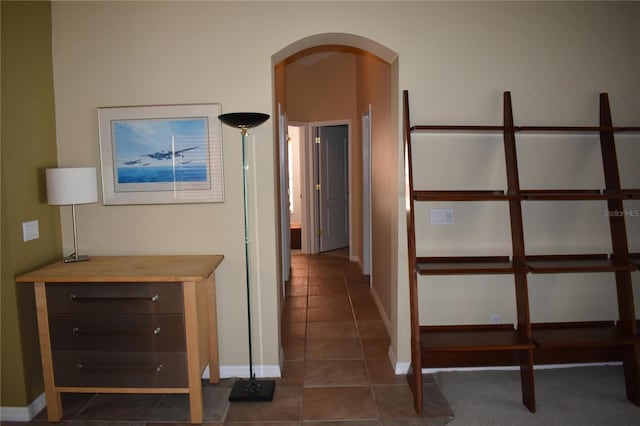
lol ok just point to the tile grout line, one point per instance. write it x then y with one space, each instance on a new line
364 357
304 351
344 278
84 407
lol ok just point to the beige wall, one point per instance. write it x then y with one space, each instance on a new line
28 147
374 89
455 58
323 90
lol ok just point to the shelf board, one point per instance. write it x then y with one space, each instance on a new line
563 194
632 193
532 129
622 194
464 265
527 195
460 195
574 263
538 129
569 129
458 128
465 338
579 334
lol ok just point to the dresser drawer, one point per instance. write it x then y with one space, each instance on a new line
115 298
120 369
113 332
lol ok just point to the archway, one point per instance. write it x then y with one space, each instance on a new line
335 39
375 85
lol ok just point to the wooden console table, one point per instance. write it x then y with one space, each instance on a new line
127 324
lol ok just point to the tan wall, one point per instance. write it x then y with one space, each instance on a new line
28 147
374 88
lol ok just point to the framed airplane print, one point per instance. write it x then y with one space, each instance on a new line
161 154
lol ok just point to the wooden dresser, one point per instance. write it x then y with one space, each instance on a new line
127 324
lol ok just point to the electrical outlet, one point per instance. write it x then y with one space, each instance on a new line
30 230
442 216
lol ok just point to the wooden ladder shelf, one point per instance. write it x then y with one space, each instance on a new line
525 344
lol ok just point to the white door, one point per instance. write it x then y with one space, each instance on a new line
284 196
333 192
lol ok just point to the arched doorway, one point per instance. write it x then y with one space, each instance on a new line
305 79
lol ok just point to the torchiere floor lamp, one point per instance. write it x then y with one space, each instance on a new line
252 389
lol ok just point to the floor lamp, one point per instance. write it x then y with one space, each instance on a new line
252 389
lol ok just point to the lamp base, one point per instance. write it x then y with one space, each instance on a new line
252 390
73 258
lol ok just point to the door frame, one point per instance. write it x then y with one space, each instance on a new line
366 191
304 171
285 218
309 155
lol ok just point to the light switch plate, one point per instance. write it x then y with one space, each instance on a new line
442 216
30 230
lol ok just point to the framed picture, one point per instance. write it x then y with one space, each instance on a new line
161 154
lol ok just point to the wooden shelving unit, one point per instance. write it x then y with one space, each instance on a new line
524 344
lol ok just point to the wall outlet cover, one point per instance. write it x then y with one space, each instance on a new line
30 230
442 216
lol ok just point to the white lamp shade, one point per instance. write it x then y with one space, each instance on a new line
77 185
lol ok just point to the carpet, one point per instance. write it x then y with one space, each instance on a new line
584 396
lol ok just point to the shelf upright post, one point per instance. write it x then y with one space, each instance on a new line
617 226
517 242
415 370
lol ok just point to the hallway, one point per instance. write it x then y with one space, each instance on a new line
336 348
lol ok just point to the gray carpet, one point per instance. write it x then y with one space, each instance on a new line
581 396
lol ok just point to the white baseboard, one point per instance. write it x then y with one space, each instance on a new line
402 367
23 414
383 314
227 371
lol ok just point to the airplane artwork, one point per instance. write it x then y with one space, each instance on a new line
168 155
161 154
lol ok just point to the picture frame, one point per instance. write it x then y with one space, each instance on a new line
161 154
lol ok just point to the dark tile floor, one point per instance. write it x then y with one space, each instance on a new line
336 367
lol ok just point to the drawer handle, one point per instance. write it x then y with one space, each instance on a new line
90 369
76 298
76 330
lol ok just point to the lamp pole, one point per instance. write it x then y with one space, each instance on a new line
253 385
252 389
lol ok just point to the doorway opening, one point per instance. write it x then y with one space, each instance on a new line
332 183
330 80
318 186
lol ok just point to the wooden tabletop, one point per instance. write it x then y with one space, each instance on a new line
127 269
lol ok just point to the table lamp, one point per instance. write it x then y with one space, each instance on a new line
71 186
252 389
